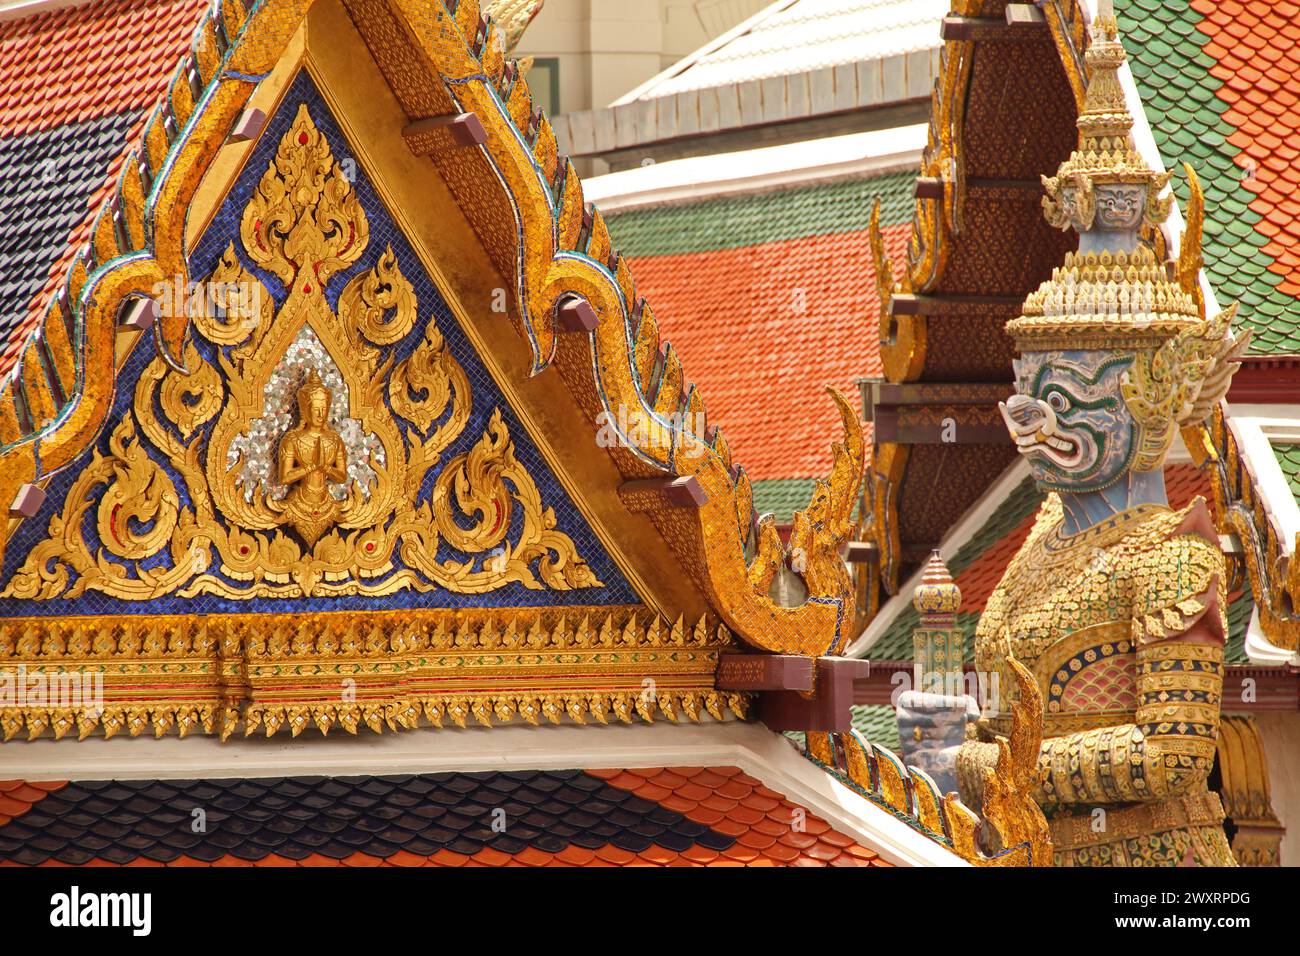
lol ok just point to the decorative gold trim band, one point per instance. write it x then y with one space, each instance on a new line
349 668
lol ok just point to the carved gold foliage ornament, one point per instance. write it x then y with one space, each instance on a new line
380 302
818 531
193 399
304 218
303 445
937 221
423 384
236 307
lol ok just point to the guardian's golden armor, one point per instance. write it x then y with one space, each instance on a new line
1123 627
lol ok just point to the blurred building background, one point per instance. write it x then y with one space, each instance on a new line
588 52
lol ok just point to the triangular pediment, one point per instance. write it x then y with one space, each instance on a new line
401 440
213 490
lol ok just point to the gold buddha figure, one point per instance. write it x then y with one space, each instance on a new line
312 457
1115 602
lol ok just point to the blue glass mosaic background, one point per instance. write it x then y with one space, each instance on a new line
486 398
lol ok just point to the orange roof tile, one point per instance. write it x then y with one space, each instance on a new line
95 59
766 328
75 88
436 821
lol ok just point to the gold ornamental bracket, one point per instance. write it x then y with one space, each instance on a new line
938 218
1016 822
1271 565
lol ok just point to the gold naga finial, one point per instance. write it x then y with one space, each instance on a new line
1017 822
513 18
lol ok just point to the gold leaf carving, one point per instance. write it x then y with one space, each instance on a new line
235 304
304 211
369 298
313 515
136 515
191 400
1009 788
422 385
137 512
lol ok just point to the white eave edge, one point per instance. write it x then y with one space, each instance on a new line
756 170
753 748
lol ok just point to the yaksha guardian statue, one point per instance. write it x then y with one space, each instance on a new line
1115 601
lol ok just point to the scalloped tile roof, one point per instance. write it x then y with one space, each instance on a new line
675 816
1221 85
1288 457
770 298
75 88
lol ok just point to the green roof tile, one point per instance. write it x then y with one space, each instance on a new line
732 222
781 497
1239 613
1288 456
1172 74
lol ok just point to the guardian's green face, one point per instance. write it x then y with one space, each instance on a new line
1069 420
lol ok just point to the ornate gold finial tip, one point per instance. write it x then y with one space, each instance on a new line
937 593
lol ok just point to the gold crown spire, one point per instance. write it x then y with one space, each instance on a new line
311 387
1113 292
1106 153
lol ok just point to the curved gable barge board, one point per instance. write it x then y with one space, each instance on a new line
978 243
620 372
